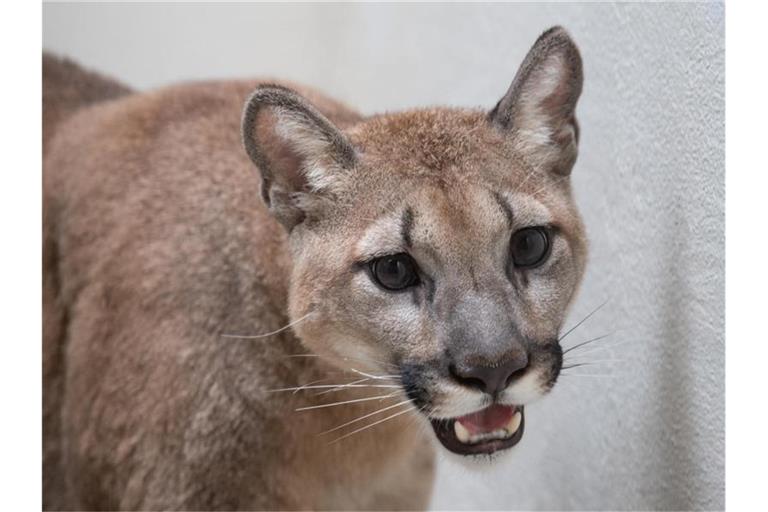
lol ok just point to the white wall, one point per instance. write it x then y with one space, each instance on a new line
644 433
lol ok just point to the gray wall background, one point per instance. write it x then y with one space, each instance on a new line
643 427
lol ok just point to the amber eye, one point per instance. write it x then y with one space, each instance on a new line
396 272
529 247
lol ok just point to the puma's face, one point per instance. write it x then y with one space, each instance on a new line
456 280
436 249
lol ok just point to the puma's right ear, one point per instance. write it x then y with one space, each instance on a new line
298 151
539 107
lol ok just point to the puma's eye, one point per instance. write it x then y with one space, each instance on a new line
529 247
395 272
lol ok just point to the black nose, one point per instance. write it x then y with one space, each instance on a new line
491 379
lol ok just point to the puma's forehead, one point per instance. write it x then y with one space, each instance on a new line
448 148
432 139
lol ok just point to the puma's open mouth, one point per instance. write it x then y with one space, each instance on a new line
489 430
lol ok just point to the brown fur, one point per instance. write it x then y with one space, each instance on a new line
148 243
157 243
67 87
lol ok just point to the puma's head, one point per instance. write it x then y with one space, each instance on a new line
440 245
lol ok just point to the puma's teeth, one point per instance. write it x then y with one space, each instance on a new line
514 423
462 434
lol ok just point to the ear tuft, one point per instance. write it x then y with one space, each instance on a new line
539 107
297 150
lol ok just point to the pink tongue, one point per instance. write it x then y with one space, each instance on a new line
489 419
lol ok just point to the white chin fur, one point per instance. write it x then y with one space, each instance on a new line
476 463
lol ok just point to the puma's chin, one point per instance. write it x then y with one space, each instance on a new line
495 428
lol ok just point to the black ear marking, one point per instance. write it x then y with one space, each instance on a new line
539 106
296 149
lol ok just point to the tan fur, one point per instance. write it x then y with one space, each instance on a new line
157 244
159 411
67 87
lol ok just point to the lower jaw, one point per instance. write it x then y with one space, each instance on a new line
444 431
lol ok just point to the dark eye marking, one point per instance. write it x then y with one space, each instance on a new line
406 226
394 272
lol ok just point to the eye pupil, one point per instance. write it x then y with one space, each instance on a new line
529 247
394 272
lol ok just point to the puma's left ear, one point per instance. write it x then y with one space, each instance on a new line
539 107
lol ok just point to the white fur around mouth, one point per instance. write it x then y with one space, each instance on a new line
464 436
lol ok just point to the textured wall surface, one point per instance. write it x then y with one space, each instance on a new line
642 428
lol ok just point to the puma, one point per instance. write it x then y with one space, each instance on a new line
256 298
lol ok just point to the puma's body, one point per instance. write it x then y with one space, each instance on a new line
423 259
155 230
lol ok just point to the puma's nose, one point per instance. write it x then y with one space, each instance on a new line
491 379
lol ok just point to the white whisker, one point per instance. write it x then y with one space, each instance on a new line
399 404
583 343
370 360
380 397
599 375
415 418
392 366
569 331
593 363
309 384
371 425
607 345
325 386
266 335
589 350
342 386
370 376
